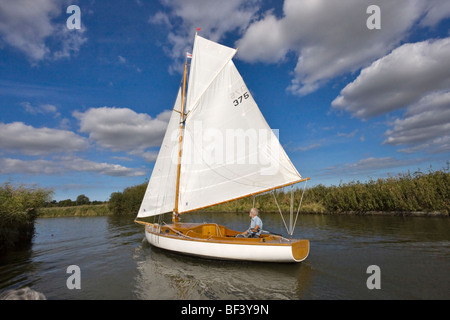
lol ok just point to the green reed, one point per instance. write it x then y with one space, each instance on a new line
18 210
405 192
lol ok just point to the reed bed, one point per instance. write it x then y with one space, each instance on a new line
404 193
18 211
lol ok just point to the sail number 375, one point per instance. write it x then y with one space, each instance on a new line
241 98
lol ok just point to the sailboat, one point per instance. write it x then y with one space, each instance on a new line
217 148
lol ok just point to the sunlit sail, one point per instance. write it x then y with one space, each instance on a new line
217 148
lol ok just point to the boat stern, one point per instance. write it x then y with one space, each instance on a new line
300 250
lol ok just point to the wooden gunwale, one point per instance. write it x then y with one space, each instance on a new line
264 240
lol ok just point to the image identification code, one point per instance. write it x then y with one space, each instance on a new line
246 309
230 309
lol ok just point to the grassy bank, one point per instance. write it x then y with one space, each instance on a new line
408 192
75 211
415 193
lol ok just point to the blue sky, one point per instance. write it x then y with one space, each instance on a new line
84 111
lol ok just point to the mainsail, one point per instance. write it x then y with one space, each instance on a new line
228 149
159 197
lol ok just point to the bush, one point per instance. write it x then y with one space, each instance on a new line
18 211
128 201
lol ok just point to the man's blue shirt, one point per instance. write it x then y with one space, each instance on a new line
256 221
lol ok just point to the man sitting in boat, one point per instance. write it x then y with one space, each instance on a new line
256 226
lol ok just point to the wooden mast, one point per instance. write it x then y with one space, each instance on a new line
177 195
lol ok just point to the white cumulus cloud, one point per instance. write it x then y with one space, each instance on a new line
26 25
215 18
425 126
122 129
21 138
414 77
64 165
399 79
367 166
330 38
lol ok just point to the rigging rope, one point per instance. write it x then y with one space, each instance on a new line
291 228
178 232
301 199
273 193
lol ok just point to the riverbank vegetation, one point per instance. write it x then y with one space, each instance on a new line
89 210
81 200
405 193
18 211
128 201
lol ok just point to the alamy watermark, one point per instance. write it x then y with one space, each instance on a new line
74 280
74 21
374 280
374 20
214 147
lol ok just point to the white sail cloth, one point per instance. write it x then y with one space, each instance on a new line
208 60
228 149
159 197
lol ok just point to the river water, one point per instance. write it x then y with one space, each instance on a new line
115 262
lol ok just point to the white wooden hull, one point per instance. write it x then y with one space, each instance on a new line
230 248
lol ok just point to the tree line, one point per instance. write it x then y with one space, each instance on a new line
81 200
128 201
